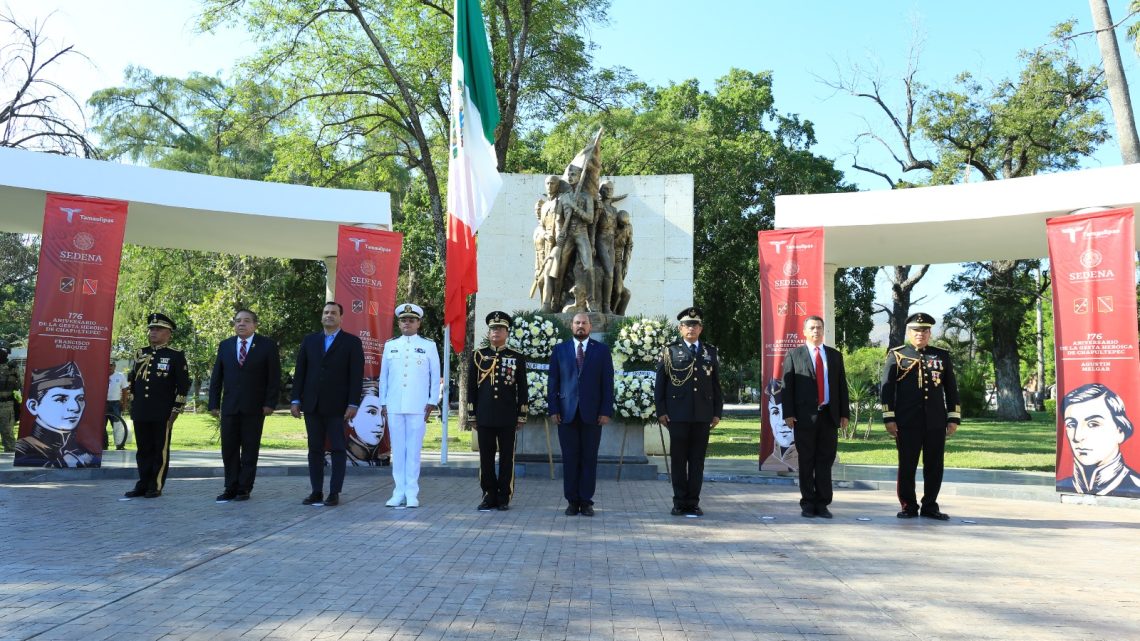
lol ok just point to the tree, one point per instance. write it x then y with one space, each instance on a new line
1043 120
369 79
32 105
854 300
741 151
1117 82
906 156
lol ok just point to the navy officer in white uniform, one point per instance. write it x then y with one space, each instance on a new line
409 391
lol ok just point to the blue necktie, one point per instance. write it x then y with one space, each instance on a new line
328 341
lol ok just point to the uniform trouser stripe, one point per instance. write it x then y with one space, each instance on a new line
164 463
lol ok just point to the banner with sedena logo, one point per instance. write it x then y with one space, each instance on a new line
791 289
1092 260
367 267
69 342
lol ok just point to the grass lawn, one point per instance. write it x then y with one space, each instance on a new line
979 443
283 432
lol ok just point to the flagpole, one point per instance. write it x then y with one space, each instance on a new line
445 407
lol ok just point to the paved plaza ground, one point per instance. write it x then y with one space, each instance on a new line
81 564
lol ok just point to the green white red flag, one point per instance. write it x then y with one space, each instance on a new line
472 174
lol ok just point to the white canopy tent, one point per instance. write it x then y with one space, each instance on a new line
1003 219
192 211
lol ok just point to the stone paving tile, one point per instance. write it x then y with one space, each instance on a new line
183 568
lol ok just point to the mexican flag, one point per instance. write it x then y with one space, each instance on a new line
472 172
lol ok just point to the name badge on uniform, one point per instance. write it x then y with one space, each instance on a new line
163 364
420 350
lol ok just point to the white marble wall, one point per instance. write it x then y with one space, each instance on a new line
661 269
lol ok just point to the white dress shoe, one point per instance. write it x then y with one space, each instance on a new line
413 502
395 501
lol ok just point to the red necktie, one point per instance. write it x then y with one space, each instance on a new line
819 374
242 353
581 356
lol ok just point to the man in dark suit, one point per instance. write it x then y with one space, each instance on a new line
689 402
243 391
816 404
160 380
327 386
580 398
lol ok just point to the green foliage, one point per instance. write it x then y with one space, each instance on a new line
854 305
864 367
1051 407
19 260
971 379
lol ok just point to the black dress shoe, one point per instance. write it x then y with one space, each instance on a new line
134 494
823 513
502 507
486 506
226 497
808 512
586 509
571 509
152 494
934 514
312 499
333 500
676 511
696 511
907 514
242 496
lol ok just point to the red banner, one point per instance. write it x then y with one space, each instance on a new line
367 267
69 342
1092 260
791 289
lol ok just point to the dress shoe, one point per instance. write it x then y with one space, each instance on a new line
242 496
152 494
586 509
134 494
395 501
333 500
486 506
226 497
571 509
823 513
502 507
412 501
934 514
697 511
808 512
676 511
907 514
313 499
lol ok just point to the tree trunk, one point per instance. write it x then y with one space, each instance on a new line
1117 82
902 285
1005 325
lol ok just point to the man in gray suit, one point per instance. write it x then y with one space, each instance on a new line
816 405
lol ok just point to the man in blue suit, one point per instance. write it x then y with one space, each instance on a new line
243 391
580 395
327 388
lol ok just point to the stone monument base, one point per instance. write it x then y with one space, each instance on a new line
532 451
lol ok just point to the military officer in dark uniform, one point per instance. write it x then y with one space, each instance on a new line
159 380
497 405
689 403
920 409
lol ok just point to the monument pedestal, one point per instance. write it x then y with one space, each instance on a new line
532 452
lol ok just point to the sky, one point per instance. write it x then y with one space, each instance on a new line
802 43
